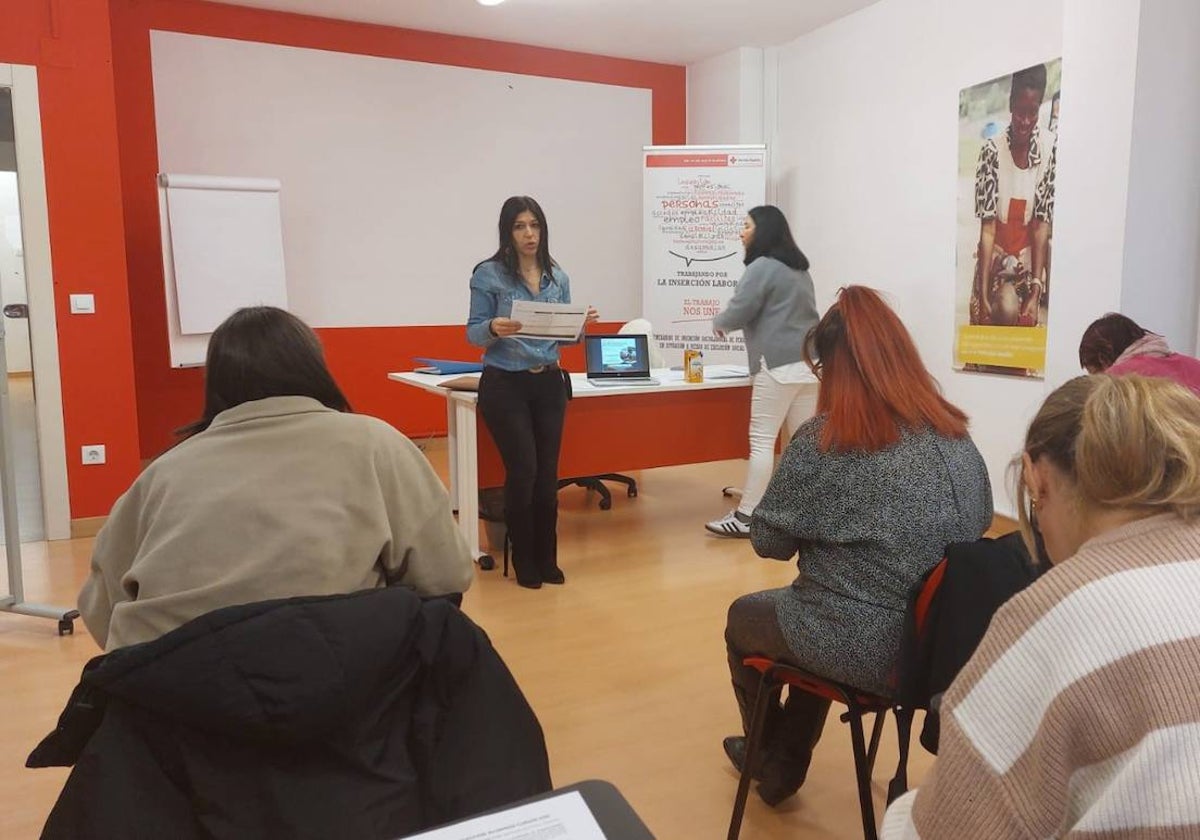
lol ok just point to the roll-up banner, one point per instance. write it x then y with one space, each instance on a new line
695 198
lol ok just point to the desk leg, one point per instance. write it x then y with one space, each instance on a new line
452 448
466 470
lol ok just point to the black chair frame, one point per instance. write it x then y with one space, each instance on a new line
775 676
596 482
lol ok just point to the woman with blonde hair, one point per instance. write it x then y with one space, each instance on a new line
1079 714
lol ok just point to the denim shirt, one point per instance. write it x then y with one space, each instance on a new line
493 290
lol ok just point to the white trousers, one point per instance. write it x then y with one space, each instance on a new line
771 404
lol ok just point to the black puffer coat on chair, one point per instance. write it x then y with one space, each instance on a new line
372 715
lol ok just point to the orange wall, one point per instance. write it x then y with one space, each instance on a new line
68 41
359 357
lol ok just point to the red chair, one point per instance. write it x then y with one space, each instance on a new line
775 675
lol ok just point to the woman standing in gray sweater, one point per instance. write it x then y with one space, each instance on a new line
775 307
867 496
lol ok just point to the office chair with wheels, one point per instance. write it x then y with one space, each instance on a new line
639 326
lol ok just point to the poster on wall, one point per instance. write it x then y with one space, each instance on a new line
695 198
1007 155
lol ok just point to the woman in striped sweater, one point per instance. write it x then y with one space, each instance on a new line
1079 715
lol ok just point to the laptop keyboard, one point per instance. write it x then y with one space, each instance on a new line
618 383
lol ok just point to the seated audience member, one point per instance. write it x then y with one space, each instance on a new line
868 494
277 491
1079 714
1117 345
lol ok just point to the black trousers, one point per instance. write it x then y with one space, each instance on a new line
524 412
791 731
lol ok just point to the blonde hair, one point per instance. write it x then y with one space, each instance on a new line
1128 442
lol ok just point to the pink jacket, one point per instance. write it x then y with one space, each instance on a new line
1150 356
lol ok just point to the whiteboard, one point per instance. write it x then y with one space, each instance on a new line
222 250
395 170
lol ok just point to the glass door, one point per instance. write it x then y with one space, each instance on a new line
14 328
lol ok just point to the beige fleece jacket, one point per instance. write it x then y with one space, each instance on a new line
277 498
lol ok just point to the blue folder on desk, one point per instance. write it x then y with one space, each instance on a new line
448 366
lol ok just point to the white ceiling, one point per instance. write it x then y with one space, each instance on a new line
671 31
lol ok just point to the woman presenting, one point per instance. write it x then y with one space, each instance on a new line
774 306
523 391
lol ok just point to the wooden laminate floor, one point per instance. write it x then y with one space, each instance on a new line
625 665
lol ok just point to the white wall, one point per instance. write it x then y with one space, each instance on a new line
394 171
864 153
1099 77
725 98
1162 230
860 122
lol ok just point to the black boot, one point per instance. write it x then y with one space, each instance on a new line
789 751
521 536
778 777
735 751
545 541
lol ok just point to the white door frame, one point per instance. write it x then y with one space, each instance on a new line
39 280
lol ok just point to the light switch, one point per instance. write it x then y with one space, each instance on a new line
83 304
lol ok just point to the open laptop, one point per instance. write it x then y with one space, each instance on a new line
615 360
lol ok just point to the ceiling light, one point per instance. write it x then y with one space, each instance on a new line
489 2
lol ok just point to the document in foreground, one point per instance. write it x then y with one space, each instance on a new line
565 817
555 321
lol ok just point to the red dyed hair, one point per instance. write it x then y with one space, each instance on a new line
873 383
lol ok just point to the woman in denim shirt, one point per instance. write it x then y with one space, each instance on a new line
523 392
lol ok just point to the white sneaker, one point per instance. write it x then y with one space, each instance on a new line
729 525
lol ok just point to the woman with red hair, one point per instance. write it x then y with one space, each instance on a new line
867 494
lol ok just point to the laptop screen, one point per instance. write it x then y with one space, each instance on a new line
617 356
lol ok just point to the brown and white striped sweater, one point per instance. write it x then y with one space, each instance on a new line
1079 714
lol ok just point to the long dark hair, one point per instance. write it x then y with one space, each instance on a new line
506 254
259 352
1106 339
773 238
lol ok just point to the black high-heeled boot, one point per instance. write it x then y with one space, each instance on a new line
524 548
545 542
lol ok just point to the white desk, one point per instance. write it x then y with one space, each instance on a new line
463 440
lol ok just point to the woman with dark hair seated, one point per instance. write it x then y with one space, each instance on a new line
867 495
1116 344
277 491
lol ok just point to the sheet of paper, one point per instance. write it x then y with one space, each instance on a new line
563 817
726 371
555 321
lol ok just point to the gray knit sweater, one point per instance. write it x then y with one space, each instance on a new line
866 525
774 306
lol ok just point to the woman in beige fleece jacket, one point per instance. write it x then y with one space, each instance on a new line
278 491
1079 714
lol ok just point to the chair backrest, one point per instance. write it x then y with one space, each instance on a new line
640 326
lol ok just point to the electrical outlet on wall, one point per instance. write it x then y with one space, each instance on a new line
93 453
